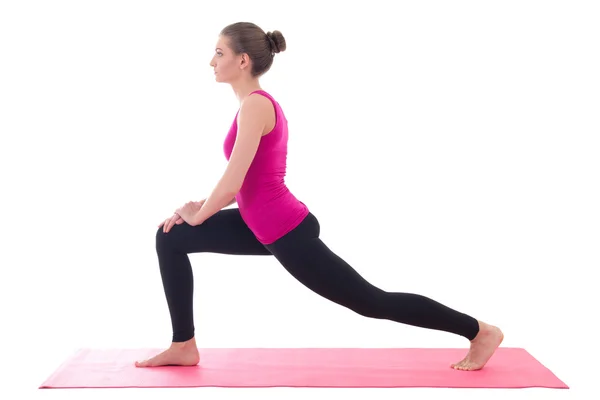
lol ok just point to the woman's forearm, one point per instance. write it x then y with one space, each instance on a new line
220 198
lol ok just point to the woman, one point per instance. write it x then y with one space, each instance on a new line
270 220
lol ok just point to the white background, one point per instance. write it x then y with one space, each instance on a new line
447 148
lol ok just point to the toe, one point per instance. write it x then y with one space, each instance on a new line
142 364
461 366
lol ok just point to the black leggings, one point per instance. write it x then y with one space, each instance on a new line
303 255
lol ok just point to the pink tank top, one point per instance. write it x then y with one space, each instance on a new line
266 204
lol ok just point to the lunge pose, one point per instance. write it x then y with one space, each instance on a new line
270 221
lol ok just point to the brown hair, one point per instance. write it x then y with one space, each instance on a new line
261 47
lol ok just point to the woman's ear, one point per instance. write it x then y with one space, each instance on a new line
244 61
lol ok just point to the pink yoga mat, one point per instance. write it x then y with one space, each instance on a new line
304 367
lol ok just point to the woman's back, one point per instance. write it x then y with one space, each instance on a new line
265 202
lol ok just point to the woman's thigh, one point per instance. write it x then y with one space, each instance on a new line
225 232
304 255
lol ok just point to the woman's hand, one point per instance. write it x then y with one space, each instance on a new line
178 219
189 210
168 223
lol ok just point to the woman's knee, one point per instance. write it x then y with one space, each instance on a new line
183 239
166 241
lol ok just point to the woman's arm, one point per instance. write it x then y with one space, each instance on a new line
252 118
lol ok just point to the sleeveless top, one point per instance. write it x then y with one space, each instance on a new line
266 204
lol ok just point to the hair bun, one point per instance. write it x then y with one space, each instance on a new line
277 41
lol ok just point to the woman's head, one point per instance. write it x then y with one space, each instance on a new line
244 48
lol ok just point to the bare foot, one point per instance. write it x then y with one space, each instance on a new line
182 354
482 348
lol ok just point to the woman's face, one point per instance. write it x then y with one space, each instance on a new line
225 63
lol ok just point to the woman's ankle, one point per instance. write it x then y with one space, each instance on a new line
191 343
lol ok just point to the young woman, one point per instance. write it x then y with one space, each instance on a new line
270 220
